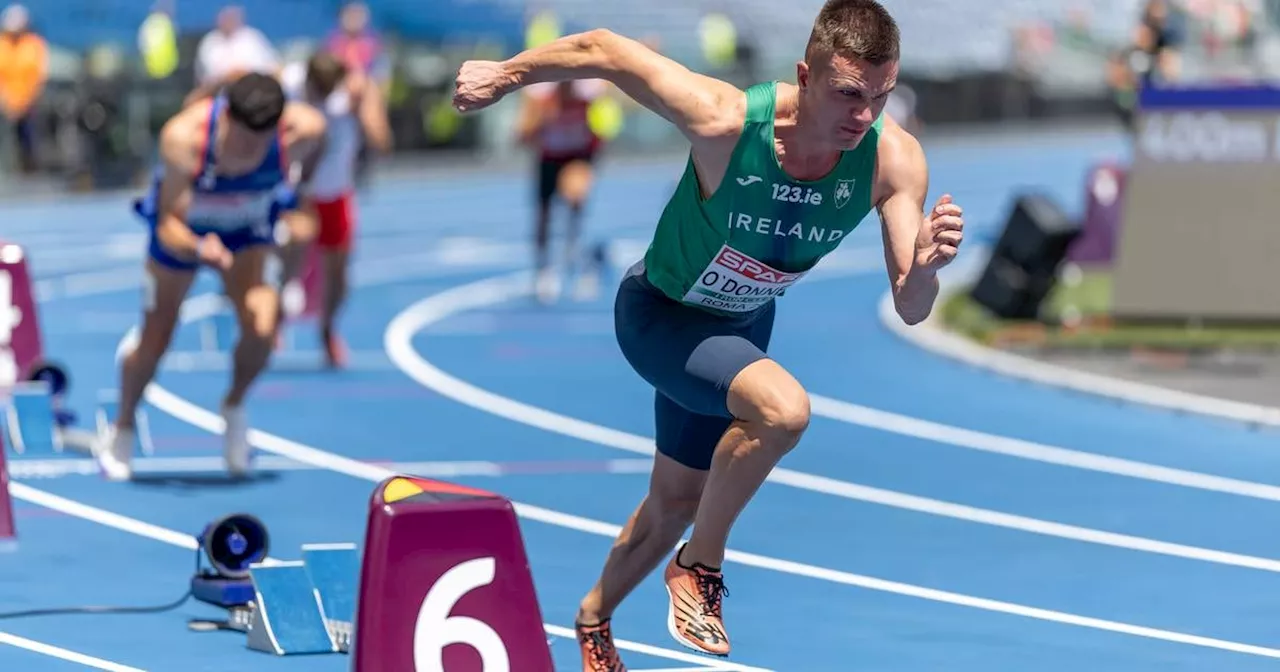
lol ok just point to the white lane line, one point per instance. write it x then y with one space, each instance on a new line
399 345
175 538
64 654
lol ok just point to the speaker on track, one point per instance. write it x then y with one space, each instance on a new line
1024 264
1010 292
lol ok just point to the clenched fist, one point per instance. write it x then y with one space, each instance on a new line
211 252
940 235
480 84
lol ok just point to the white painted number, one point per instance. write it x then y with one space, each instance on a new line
10 315
436 629
10 318
8 368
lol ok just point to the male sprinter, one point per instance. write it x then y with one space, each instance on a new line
778 175
225 178
355 113
554 121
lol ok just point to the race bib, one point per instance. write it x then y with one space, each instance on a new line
736 283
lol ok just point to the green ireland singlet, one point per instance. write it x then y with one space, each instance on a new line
762 230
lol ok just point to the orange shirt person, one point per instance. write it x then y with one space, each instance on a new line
24 64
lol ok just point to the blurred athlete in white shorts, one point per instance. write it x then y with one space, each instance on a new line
356 114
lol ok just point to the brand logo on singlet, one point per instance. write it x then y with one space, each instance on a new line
736 283
790 193
844 192
750 180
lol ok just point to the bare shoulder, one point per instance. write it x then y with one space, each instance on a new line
719 124
182 138
900 161
302 122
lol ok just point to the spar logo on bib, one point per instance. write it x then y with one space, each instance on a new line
735 282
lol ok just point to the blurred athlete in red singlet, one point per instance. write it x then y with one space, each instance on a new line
554 122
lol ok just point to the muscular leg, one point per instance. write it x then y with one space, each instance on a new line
574 185
164 290
771 412
649 535
303 228
336 225
541 236
334 263
546 282
257 306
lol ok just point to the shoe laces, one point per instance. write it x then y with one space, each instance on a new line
604 657
713 591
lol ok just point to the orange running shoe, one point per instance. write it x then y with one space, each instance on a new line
598 651
694 618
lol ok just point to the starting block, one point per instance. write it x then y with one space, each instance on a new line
288 614
334 570
305 607
106 413
37 426
29 418
34 421
287 607
445 584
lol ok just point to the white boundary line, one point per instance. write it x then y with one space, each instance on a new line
200 417
399 345
175 538
203 305
932 337
36 469
502 288
398 341
64 654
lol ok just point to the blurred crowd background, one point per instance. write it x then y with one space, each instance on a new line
85 84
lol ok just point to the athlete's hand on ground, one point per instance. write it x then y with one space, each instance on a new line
940 235
212 252
480 84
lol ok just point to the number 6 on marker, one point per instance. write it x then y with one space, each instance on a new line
10 314
435 628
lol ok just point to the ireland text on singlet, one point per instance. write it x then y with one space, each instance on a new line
762 230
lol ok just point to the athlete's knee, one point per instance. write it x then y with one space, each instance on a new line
575 182
260 314
766 394
302 226
671 508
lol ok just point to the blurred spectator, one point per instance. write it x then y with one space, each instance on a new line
158 41
902 109
229 51
358 46
1150 60
24 66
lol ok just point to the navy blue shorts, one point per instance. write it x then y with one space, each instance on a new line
690 357
234 240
